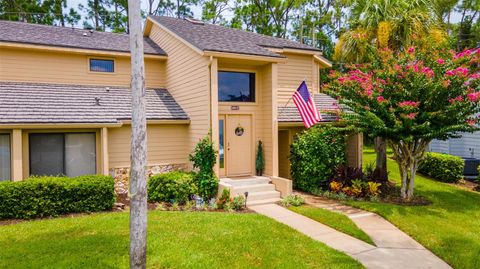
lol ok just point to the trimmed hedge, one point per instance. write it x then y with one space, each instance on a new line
53 196
442 167
172 187
315 155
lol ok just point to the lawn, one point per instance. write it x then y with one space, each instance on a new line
175 240
450 226
335 220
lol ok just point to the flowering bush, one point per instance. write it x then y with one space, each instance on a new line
410 98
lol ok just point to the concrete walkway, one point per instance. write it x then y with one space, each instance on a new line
394 249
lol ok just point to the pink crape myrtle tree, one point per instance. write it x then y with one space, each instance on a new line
410 98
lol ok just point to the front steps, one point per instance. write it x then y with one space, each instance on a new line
260 189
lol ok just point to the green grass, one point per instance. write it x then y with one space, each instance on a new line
175 240
450 226
335 220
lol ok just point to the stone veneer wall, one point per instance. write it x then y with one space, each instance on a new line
121 174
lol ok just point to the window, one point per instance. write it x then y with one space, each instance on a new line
98 65
4 157
70 154
222 143
236 87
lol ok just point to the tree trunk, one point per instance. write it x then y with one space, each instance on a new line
408 156
381 160
138 181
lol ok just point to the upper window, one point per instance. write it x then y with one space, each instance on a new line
101 65
236 87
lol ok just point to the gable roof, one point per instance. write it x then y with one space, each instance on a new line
209 37
324 104
29 103
37 34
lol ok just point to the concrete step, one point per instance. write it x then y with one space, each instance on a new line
263 195
246 182
253 188
263 202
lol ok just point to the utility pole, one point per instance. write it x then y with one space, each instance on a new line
138 180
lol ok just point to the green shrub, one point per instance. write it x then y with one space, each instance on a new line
238 202
204 158
315 155
53 196
171 187
293 200
443 167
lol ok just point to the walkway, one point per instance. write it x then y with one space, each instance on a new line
394 249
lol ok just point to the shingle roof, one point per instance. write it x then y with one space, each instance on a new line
53 103
324 104
20 32
209 37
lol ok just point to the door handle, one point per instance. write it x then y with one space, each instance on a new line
228 145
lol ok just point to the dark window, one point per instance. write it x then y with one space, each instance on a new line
236 87
97 65
4 157
70 154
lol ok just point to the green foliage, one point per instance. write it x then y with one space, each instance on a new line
238 202
224 198
53 196
293 200
171 187
204 158
315 155
259 161
443 167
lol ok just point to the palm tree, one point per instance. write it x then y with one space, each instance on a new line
384 23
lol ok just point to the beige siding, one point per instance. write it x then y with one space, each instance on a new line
167 144
54 67
293 72
188 80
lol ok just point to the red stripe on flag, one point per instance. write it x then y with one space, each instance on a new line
301 110
305 111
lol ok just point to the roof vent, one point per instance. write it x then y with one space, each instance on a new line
97 101
195 21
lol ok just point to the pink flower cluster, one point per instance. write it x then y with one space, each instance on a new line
473 97
471 122
419 68
456 99
409 104
466 53
412 115
460 71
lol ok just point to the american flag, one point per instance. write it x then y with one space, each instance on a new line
306 106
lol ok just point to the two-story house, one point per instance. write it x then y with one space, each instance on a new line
65 101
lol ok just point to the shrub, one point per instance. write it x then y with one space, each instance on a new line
315 155
443 167
204 158
259 160
171 187
293 200
224 198
53 196
238 202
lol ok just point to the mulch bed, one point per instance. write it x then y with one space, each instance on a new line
467 185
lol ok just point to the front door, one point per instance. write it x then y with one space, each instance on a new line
238 138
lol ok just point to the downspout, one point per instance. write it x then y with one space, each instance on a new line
211 97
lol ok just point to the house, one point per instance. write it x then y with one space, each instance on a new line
467 147
65 102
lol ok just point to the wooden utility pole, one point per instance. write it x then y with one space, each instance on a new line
138 180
